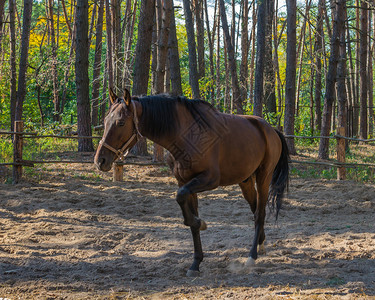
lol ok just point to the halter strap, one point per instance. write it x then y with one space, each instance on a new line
124 150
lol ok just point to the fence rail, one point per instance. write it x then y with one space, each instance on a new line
19 162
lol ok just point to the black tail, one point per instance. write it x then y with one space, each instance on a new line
280 177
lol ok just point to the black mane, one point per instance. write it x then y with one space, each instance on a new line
159 113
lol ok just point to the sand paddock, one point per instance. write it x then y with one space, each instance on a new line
74 234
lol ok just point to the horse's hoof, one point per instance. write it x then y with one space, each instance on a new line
250 262
192 273
262 249
203 225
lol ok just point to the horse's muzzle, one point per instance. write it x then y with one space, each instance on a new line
102 164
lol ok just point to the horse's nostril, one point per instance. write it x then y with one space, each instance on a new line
101 161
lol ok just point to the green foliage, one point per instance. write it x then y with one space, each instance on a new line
6 149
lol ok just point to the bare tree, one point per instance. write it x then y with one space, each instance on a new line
338 27
161 61
318 62
211 40
260 54
231 61
370 73
97 65
341 86
244 70
21 91
290 84
108 19
253 49
193 71
82 77
13 64
218 85
56 100
142 58
163 46
174 58
363 48
2 3
269 69
198 5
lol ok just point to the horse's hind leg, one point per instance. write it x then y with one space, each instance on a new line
259 214
250 194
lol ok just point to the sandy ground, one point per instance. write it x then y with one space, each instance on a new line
74 234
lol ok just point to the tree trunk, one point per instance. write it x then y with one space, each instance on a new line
38 88
173 56
154 46
318 62
82 77
2 3
269 69
218 81
21 92
67 69
211 39
143 48
161 61
341 86
67 21
300 51
244 71
363 69
127 73
56 100
252 61
103 105
351 86
277 69
193 71
371 77
108 19
163 46
338 27
200 37
357 52
93 15
231 61
226 107
13 64
97 65
142 58
260 54
116 44
290 84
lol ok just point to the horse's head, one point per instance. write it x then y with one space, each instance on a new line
120 131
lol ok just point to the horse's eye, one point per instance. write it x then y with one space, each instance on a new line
120 122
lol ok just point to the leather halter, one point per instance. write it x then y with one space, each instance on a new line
124 150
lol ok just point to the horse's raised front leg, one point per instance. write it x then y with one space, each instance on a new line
188 201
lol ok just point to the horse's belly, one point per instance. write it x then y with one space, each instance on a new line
242 159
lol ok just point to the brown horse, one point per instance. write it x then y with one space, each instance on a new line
208 149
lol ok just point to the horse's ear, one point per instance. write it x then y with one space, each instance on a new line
127 97
112 96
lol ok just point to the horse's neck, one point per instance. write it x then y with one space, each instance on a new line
172 142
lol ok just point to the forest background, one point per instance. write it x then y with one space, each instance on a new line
306 67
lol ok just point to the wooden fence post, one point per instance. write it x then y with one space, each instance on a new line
341 171
17 151
118 172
